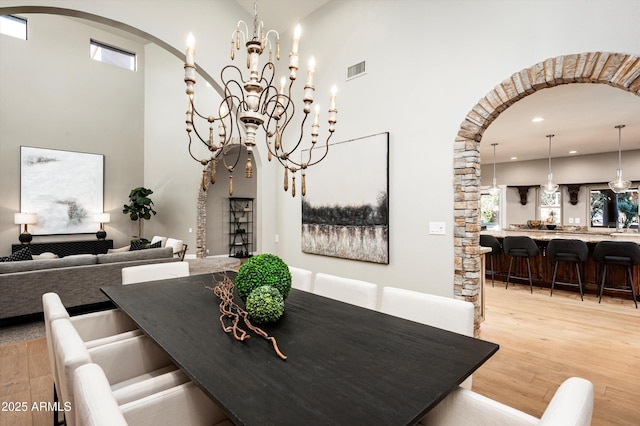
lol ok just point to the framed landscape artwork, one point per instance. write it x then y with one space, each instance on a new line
345 212
65 189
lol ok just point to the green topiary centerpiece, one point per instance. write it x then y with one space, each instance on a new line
265 304
263 269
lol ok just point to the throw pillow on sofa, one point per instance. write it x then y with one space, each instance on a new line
137 245
156 238
20 255
119 250
45 255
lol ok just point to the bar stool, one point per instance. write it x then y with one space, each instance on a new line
574 251
620 253
523 247
496 248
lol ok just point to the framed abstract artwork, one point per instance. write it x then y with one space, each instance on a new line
345 212
65 189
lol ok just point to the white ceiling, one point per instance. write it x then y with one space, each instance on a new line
282 15
582 116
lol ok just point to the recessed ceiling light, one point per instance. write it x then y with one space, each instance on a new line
537 119
513 158
573 152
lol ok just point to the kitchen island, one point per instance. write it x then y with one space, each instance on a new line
542 268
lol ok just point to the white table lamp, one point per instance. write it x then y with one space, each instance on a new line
102 218
25 219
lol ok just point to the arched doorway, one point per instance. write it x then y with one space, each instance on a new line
212 236
614 69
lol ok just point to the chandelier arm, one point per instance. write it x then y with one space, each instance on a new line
287 154
284 105
231 68
203 162
265 96
275 151
236 122
228 102
270 107
289 106
230 93
268 67
238 32
267 40
195 110
228 148
326 151
195 130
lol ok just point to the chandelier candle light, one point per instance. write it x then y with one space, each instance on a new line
619 184
255 103
549 187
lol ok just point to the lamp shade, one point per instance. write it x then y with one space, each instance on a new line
25 218
102 218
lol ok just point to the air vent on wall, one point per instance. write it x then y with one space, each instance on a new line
356 70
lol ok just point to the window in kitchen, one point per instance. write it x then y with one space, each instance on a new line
550 207
610 210
491 210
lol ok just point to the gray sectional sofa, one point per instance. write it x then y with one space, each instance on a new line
77 279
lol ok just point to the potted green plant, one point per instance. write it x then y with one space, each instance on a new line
140 208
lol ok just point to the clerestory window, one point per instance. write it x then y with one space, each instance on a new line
112 55
13 26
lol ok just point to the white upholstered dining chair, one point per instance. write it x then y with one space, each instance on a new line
437 311
571 405
184 404
300 278
154 272
355 292
95 329
134 367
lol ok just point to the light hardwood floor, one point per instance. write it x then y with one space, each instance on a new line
25 377
543 340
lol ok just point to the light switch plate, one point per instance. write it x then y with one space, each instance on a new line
577 220
437 228
571 220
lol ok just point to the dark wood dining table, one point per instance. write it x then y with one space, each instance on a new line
345 365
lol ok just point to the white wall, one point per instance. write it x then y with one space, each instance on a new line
428 64
52 95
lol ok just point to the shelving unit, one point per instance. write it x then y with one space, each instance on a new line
240 227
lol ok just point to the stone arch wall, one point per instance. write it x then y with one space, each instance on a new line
615 69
